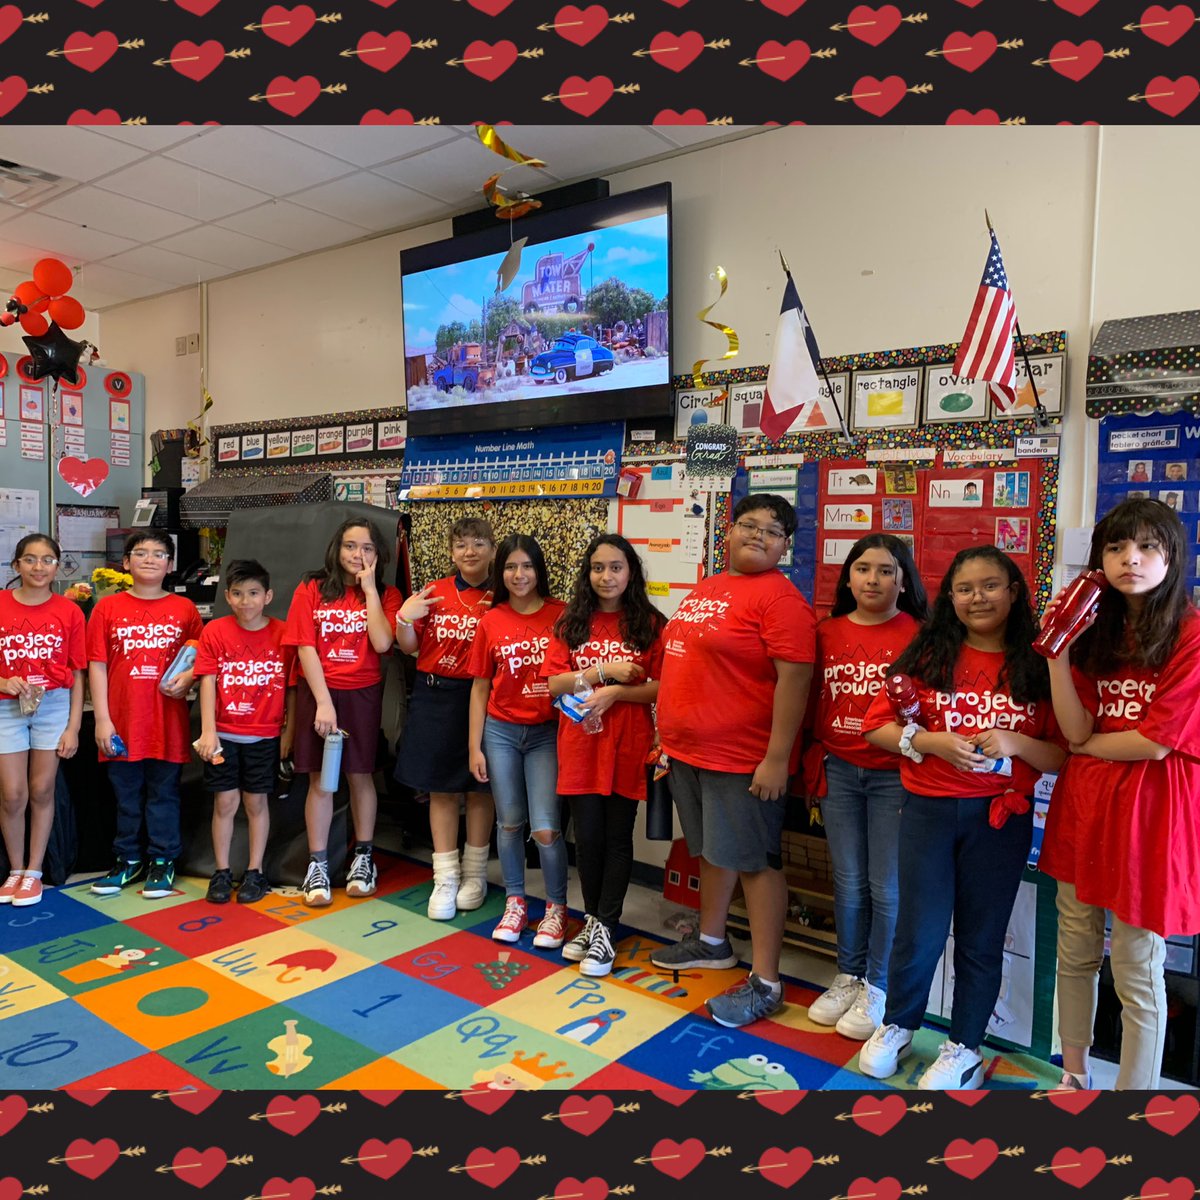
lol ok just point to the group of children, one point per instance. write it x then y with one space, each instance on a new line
929 820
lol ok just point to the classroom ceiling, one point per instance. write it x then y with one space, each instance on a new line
145 210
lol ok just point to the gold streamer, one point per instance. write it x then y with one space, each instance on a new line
497 145
727 330
506 208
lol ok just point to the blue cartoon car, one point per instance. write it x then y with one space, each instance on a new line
573 356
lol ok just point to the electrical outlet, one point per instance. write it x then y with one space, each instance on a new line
193 343
181 345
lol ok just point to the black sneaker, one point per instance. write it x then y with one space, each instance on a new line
220 886
692 953
362 876
598 960
254 886
125 872
161 880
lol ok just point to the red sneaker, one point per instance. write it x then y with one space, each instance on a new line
9 890
552 928
29 891
512 924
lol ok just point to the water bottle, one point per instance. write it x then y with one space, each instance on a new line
1075 612
906 704
994 766
119 749
183 662
571 704
331 760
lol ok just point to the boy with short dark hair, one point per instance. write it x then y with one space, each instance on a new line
245 705
133 638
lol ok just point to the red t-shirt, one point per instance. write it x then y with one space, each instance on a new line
509 649
251 667
852 663
138 640
338 631
718 678
444 637
1127 834
975 704
612 761
42 643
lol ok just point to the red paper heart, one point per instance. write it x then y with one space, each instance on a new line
878 1114
873 25
381 52
969 1098
962 116
287 25
880 1189
1171 96
283 1189
1171 1114
90 53
293 96
293 1114
201 8
11 1189
677 1159
1072 1101
199 1167
879 96
196 1101
782 62
384 1159
672 1095
491 7
12 1112
971 3
1162 25
692 116
586 96
1076 7
1178 1189
487 61
676 53
376 116
492 1167
85 478
785 8
10 21
969 52
578 25
1075 61
970 1159
784 1167
780 1102
106 116
594 1188
89 1096
91 1159
197 61
12 91
1078 1167
585 1115
92 3
384 3
487 1101
383 1099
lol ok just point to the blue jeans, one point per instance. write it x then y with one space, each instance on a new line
954 864
862 824
522 764
147 789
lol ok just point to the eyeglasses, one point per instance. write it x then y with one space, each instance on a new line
156 555
46 560
965 591
750 530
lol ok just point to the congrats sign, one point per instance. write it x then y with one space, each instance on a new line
573 460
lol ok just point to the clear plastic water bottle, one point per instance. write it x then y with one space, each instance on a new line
592 722
994 766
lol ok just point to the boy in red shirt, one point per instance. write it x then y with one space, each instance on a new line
132 639
244 704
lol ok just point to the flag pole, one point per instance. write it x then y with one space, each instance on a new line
820 365
1040 414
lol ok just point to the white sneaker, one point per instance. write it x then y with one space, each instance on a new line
317 892
362 876
577 947
955 1068
865 1015
880 1057
828 1007
443 900
472 885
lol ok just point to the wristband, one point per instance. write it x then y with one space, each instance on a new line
600 672
401 621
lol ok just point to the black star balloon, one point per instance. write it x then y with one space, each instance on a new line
56 355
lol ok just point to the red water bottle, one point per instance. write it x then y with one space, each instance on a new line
906 704
1075 611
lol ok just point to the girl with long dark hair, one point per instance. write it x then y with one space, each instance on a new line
965 829
609 639
1123 831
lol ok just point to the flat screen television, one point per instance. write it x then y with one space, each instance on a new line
581 333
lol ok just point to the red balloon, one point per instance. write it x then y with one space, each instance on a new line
52 276
67 311
32 296
34 324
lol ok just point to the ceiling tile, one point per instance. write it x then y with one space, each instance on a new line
693 135
297 228
110 213
259 158
151 138
235 251
182 189
573 153
63 239
99 286
68 151
455 173
367 200
366 145
173 269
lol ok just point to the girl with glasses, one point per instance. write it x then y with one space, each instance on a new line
965 829
42 654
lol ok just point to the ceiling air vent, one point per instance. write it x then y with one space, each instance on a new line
29 186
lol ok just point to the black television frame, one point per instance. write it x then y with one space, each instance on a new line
649 403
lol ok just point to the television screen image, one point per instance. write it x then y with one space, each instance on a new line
580 332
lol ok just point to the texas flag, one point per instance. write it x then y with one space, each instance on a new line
792 380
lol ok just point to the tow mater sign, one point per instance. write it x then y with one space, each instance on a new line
556 285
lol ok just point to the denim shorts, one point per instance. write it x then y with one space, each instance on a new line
41 729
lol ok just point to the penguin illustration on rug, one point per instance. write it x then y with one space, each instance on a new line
589 1030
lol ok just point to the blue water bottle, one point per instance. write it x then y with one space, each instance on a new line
331 760
119 749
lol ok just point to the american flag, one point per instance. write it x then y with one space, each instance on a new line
986 350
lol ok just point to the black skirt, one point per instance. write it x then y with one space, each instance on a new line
433 754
